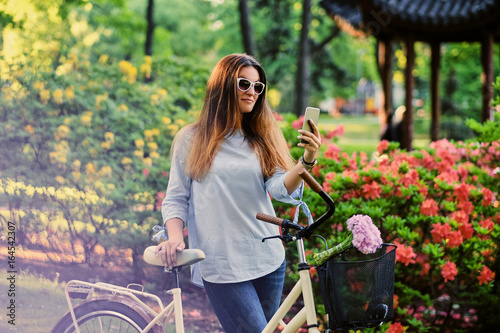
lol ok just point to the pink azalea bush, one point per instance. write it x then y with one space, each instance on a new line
440 206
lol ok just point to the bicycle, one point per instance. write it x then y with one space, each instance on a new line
119 309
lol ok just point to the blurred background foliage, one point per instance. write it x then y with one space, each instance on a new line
86 111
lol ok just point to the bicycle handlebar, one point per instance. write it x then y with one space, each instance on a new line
278 221
304 232
313 184
269 219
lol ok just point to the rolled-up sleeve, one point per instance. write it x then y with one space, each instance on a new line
275 185
176 202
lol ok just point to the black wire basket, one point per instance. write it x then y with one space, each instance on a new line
358 288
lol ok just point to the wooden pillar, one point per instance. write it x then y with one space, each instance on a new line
384 57
487 75
407 130
435 100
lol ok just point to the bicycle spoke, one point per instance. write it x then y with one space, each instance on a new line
107 324
102 316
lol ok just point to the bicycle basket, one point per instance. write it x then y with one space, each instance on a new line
358 288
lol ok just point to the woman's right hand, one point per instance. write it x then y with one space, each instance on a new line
167 250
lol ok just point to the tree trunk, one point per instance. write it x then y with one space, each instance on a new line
246 28
148 50
138 267
303 64
409 84
384 63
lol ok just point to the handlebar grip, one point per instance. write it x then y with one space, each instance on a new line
269 219
315 186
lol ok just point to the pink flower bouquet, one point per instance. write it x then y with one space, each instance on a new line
365 237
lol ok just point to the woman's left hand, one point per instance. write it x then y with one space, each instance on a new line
312 144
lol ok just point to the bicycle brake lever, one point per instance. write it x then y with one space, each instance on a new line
277 236
285 237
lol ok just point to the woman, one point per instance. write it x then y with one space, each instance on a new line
224 167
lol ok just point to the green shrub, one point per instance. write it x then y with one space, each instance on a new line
488 131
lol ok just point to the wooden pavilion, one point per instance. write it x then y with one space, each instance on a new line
430 21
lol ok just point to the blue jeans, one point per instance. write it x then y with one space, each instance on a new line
246 307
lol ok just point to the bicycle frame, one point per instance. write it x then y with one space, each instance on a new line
308 312
302 287
161 318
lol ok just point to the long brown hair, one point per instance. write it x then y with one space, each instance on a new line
220 116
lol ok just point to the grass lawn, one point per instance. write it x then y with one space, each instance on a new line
363 133
40 303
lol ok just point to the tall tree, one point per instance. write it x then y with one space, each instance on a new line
246 27
150 29
302 82
5 19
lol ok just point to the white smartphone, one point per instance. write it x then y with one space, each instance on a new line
313 114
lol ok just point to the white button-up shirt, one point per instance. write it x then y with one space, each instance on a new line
220 211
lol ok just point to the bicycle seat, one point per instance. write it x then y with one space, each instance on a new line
185 258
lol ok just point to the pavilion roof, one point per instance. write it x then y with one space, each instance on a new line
427 20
